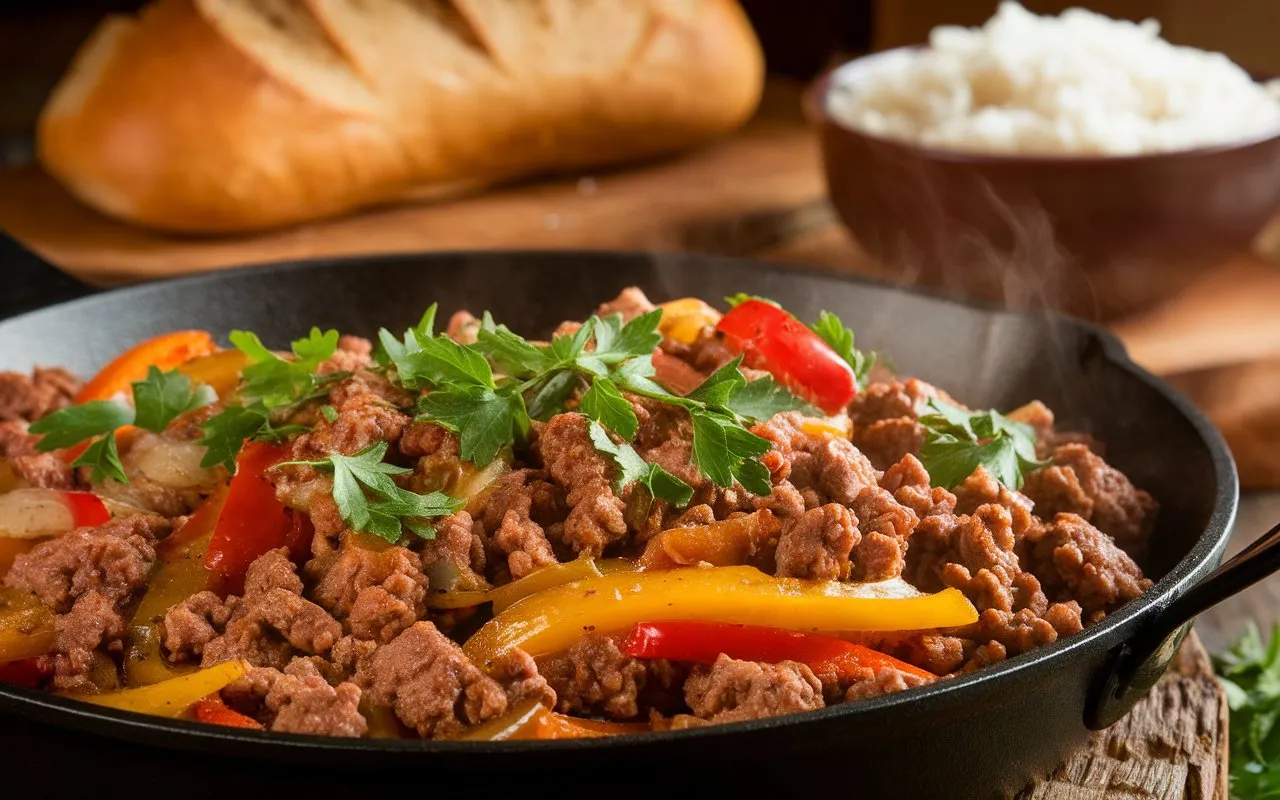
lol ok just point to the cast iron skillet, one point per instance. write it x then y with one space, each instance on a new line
982 735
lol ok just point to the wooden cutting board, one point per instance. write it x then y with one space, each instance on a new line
758 193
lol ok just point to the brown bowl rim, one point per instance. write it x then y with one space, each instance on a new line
815 107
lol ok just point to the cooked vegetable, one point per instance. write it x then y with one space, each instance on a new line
219 371
726 543
552 620
211 710
508 594
11 548
171 698
27 626
164 352
773 340
29 673
834 332
39 513
529 719
958 441
252 521
697 640
684 319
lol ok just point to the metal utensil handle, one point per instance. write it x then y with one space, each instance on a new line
1141 661
28 282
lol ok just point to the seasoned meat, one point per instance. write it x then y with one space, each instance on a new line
595 677
432 686
1076 561
974 554
353 353
298 700
875 682
596 516
1079 482
885 525
884 419
630 303
817 544
735 691
518 673
375 588
460 544
42 470
982 488
31 397
365 417
93 623
909 483
508 518
192 624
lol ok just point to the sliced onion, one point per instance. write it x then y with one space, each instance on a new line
473 486
172 463
34 514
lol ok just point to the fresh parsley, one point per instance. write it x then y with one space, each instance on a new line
834 332
158 399
1250 676
632 468
958 441
370 502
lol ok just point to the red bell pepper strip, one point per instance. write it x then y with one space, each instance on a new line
87 509
29 673
690 640
253 521
773 340
213 711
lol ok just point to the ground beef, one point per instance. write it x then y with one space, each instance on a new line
93 623
869 682
594 676
31 397
364 418
596 517
41 470
664 436
831 466
458 543
353 353
885 525
975 554
734 691
817 544
518 673
508 516
298 700
267 626
1079 482
1076 561
377 589
982 488
884 419
630 303
432 686
112 559
909 483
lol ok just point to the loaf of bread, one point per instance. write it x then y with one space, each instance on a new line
220 116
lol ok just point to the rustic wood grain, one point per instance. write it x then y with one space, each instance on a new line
1172 746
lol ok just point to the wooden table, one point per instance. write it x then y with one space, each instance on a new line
760 194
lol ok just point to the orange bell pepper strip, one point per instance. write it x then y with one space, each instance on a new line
27 626
696 640
171 698
253 521
529 719
179 573
683 319
165 352
219 371
212 711
551 621
508 594
725 543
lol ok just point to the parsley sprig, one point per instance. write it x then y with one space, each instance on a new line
158 399
958 441
370 502
1250 676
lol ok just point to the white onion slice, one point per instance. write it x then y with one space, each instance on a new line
34 514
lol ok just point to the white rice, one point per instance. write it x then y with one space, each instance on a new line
1076 84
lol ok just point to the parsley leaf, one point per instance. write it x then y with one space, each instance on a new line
391 350
632 468
224 434
604 402
329 413
616 342
1250 675
277 381
721 385
763 398
510 351
725 451
485 420
550 395
840 338
441 360
391 508
957 442
104 459
162 397
73 424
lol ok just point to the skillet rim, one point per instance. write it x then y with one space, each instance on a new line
186 735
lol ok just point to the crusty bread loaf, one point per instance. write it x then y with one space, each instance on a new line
215 116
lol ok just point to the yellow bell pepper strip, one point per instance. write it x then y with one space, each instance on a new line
840 427
609 566
173 697
508 594
27 626
219 371
683 319
179 573
551 621
529 719
725 543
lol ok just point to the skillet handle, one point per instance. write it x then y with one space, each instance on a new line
28 282
1141 661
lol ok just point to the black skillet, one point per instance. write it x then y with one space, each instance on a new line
983 735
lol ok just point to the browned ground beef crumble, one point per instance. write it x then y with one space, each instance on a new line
348 628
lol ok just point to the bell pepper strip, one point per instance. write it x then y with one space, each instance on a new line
841 427
382 722
698 640
508 594
609 566
27 626
683 320
173 697
219 371
551 621
11 548
39 513
212 711
726 543
29 673
771 339
530 720
165 352
179 573
252 522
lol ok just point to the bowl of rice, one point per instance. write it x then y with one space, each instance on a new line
1076 162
